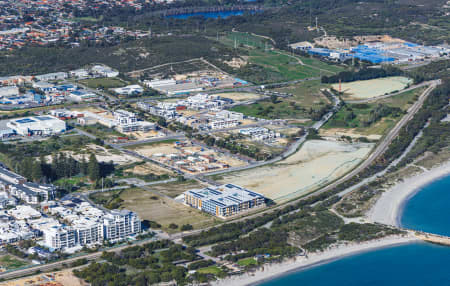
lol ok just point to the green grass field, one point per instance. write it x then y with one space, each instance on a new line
210 270
247 261
306 93
246 39
403 100
269 110
306 96
289 68
11 262
103 82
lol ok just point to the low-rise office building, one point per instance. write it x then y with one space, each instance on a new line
37 125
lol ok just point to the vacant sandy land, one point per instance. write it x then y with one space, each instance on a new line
363 89
163 210
167 149
239 96
339 132
149 168
317 163
64 277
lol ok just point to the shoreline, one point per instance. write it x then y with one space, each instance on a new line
387 210
390 205
268 272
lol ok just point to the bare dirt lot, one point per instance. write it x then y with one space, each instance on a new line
64 277
317 163
148 168
239 96
103 155
163 210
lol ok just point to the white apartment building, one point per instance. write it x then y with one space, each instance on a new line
88 232
223 123
59 237
10 177
118 225
127 122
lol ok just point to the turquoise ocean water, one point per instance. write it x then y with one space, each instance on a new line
411 264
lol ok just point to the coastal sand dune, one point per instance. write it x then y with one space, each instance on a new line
388 208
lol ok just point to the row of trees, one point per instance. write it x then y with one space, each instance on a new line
62 166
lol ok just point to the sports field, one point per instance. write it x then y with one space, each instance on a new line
364 89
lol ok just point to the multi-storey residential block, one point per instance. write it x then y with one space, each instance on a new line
223 201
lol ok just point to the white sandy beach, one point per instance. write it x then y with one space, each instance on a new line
386 211
271 271
389 207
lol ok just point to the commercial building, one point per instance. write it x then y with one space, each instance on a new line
223 201
129 90
9 91
52 76
104 71
38 125
81 95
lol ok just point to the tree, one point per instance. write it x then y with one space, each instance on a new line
36 171
93 168
84 166
274 98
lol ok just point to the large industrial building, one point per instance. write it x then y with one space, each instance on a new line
223 201
38 125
